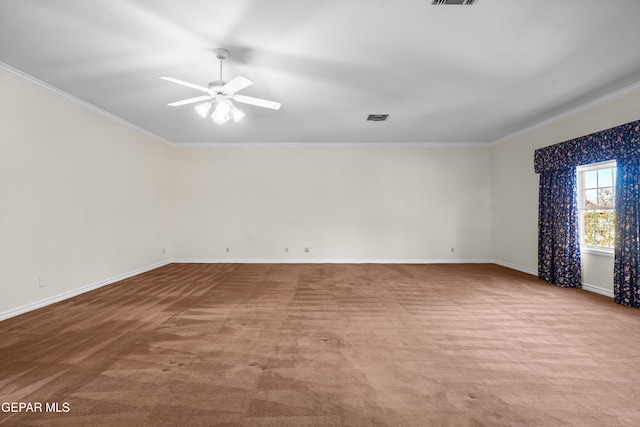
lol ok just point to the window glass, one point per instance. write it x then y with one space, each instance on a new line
591 179
605 178
605 197
596 197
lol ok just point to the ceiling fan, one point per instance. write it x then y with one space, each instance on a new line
220 94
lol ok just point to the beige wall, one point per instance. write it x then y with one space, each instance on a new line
87 200
515 186
343 202
83 198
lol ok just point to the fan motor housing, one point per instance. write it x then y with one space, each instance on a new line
216 86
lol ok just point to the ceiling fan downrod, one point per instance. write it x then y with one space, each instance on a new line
221 54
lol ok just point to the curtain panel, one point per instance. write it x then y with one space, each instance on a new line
558 231
557 228
626 283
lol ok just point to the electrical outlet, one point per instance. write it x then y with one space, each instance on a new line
227 249
306 249
163 251
452 250
42 282
286 249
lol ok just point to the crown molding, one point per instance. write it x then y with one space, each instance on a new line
573 111
334 144
20 75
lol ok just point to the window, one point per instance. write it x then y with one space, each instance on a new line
596 203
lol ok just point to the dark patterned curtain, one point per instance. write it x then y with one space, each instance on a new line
621 143
558 232
626 283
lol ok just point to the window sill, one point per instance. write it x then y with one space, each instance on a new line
596 251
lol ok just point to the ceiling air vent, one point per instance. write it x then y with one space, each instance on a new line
377 117
467 2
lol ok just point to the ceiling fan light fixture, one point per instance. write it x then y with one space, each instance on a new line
221 113
203 109
235 113
222 107
219 118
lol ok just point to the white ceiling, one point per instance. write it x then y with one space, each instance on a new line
443 73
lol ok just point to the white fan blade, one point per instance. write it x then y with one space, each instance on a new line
257 101
237 84
190 100
187 84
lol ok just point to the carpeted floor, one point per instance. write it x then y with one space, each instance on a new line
324 345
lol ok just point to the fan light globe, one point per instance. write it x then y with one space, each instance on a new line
203 109
219 117
221 113
222 107
235 113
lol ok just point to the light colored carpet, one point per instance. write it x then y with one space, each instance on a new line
326 345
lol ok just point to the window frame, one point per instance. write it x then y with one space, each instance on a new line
580 170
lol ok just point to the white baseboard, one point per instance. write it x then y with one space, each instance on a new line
515 267
57 298
329 261
598 290
96 285
585 286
